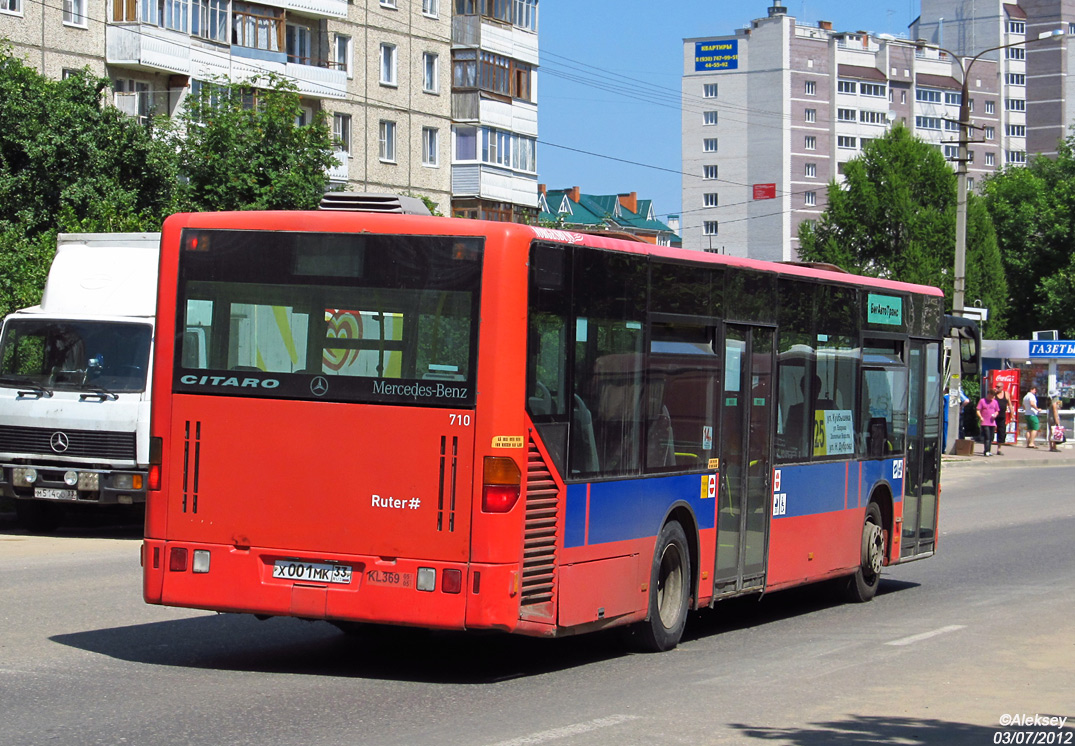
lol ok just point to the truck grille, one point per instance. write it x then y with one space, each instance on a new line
539 542
94 444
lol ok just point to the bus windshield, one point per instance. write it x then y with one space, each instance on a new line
71 355
336 317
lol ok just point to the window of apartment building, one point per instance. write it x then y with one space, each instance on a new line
709 90
990 133
927 123
1015 130
257 27
810 88
430 146
1071 29
927 95
208 20
521 75
524 154
709 228
1015 104
341 132
1015 156
466 143
709 172
68 72
843 141
341 53
1016 27
491 72
386 143
951 152
133 98
990 159
709 199
1015 78
11 6
810 199
811 115
872 89
709 145
873 117
846 86
950 125
494 73
903 97
709 117
811 170
525 14
846 115
1015 53
74 12
990 107
388 64
388 4
810 142
298 43
952 98
431 8
430 72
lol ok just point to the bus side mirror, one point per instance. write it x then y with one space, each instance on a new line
967 337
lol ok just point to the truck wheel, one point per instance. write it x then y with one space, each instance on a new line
669 592
39 517
862 586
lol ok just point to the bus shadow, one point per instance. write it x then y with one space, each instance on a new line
85 522
859 729
239 642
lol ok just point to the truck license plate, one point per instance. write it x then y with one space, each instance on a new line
320 572
47 493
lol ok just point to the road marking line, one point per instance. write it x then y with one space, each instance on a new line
926 635
568 730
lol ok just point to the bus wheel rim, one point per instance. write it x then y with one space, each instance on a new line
670 587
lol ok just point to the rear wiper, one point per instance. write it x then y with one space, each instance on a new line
98 393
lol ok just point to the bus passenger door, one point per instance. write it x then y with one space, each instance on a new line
923 449
746 459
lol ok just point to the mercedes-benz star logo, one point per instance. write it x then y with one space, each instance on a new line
59 442
319 386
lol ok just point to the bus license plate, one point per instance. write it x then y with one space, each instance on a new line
47 493
319 572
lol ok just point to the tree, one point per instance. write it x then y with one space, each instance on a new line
894 217
69 162
1033 209
242 148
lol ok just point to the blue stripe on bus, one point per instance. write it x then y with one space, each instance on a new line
631 509
810 489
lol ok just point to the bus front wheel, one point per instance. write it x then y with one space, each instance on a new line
669 592
862 586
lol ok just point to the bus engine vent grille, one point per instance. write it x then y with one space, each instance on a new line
539 539
373 202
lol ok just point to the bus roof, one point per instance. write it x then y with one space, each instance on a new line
349 222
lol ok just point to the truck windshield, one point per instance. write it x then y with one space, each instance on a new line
68 355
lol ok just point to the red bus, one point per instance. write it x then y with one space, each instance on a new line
462 424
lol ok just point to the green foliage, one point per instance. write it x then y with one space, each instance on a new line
1033 209
241 149
894 217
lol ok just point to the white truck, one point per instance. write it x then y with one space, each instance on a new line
75 383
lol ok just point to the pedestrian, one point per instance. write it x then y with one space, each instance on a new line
1056 430
987 419
1002 417
1030 412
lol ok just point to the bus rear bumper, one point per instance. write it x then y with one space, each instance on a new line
325 586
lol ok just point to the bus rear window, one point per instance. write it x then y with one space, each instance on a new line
337 317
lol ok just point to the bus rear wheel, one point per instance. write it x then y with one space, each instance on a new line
669 592
862 586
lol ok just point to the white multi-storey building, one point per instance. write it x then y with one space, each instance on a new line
378 68
494 109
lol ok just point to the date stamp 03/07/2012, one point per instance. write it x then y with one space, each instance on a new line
1028 730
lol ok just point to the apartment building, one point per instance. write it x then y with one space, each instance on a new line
772 112
378 68
1039 96
494 109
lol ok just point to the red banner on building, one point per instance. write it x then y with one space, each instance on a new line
765 191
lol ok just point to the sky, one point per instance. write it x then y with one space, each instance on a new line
610 77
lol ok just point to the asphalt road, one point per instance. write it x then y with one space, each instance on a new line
949 647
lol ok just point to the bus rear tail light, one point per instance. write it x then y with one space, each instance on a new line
451 581
501 485
177 559
156 451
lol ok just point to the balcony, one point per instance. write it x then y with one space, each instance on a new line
313 8
147 47
338 174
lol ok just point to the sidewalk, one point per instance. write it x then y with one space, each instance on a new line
1016 455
